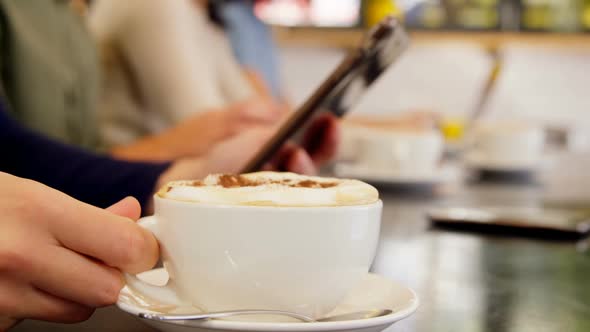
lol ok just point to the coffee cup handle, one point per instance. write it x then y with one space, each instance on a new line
166 294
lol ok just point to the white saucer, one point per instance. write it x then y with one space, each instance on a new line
374 292
445 174
482 163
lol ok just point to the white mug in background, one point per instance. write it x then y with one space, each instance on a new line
507 143
401 152
230 257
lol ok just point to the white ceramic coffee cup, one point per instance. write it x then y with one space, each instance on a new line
402 152
224 257
508 143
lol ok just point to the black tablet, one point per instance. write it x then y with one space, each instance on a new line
544 222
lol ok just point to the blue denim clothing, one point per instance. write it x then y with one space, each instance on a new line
252 41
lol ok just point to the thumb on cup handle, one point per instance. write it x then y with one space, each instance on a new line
166 294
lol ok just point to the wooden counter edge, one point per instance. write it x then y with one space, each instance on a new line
347 38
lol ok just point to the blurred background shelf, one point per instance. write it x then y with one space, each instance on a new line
544 47
490 23
348 37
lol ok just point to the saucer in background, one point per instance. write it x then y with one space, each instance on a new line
384 177
480 162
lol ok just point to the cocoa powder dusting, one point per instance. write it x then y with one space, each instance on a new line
236 181
233 181
307 184
315 184
228 181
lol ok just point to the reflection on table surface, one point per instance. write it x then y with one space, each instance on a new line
466 281
474 282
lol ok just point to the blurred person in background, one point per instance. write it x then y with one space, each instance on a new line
165 61
48 92
50 80
49 84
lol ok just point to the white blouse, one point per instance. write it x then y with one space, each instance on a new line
163 61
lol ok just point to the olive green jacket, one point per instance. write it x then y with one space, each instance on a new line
49 69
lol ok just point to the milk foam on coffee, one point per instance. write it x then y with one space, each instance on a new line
272 189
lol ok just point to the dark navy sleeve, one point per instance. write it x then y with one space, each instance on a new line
92 178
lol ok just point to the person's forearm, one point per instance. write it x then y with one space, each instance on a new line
151 148
260 87
192 138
